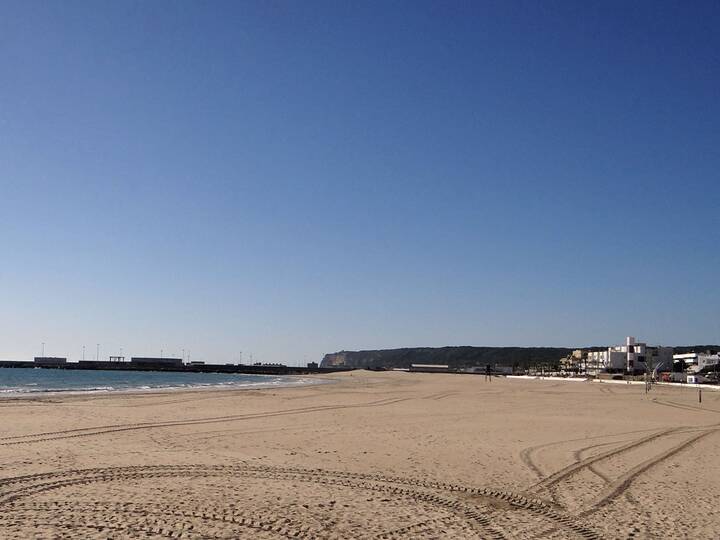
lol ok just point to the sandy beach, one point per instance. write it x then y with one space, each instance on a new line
372 455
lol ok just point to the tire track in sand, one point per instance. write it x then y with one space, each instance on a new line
684 406
157 517
574 468
449 497
527 454
117 428
80 478
623 482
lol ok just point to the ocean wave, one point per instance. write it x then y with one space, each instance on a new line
36 390
144 386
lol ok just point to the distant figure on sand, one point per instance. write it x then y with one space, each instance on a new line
488 373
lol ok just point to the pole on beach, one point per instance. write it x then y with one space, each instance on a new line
699 395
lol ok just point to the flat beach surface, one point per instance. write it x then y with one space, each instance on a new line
373 455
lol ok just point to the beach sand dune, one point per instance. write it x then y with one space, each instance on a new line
372 455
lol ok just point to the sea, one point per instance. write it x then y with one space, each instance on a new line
37 381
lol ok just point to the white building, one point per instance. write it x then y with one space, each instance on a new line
633 357
695 362
608 360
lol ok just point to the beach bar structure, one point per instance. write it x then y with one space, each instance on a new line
430 368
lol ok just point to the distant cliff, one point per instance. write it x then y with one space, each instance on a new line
452 356
458 357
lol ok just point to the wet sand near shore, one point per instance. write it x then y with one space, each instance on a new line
373 455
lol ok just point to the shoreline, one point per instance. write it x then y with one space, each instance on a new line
303 381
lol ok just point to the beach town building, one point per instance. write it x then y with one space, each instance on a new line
659 358
694 362
605 361
632 357
575 362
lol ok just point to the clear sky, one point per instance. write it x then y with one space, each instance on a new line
291 178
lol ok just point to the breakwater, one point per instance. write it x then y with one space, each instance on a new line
184 368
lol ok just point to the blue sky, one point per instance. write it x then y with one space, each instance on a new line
293 178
